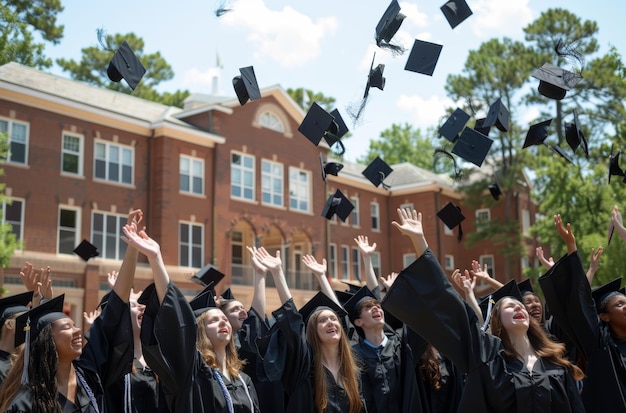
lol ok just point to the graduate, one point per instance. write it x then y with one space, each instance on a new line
593 320
10 308
191 352
515 368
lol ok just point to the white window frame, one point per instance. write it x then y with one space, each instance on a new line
10 202
485 259
79 154
354 215
408 205
247 178
11 138
376 263
299 190
124 150
271 121
191 260
525 221
408 259
107 238
75 230
275 176
345 262
449 262
375 216
332 261
480 221
191 169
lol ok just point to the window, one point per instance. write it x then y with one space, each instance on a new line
332 264
191 245
376 263
191 175
272 183
17 133
113 162
299 190
13 214
375 214
488 260
106 230
525 221
408 259
449 260
345 262
242 176
72 154
447 231
408 205
270 121
356 263
483 216
68 230
355 212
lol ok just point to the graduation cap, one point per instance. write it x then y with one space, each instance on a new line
318 124
604 292
454 124
423 57
388 26
377 171
320 301
353 305
457 173
472 146
337 130
204 301
125 65
207 275
537 133
375 77
343 296
14 304
337 204
227 294
451 216
614 168
525 287
554 82
494 190
246 86
455 12
352 288
575 136
498 116
610 232
559 151
509 289
479 126
86 250
329 168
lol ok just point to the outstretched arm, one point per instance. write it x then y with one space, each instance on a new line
258 296
411 225
546 262
565 231
319 269
275 266
593 263
366 252
618 224
126 275
483 275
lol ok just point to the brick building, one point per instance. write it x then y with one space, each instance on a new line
211 178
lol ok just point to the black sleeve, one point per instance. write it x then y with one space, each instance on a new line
568 294
109 348
424 300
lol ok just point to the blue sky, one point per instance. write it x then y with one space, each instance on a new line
326 46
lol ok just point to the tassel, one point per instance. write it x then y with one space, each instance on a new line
488 315
25 379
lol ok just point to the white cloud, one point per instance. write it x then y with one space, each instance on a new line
287 36
202 80
496 18
424 112
413 15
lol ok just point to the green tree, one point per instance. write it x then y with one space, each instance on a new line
19 21
94 62
305 98
8 240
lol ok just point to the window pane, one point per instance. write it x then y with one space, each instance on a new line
67 218
114 172
70 163
184 166
100 169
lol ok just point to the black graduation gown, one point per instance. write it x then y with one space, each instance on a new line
168 338
425 301
291 355
568 294
5 364
388 380
106 358
144 391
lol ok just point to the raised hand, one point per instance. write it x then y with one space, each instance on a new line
319 269
266 259
90 317
364 246
477 272
616 217
595 259
566 234
140 240
29 276
44 286
256 264
547 263
410 222
388 281
111 278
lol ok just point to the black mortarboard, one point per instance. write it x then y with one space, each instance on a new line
479 126
35 320
13 304
352 306
377 171
337 129
389 24
329 168
537 133
317 302
227 294
498 116
423 57
456 11
454 124
126 65
316 124
614 168
472 146
343 296
451 215
246 86
337 204
203 301
352 288
575 136
602 293
610 232
207 275
86 250
525 287
509 289
375 77
554 82
494 190
559 151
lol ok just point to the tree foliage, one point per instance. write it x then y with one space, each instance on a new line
94 62
8 240
305 98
